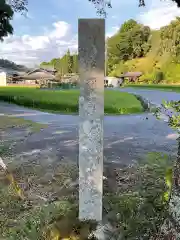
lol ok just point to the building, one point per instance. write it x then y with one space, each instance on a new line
112 81
3 79
49 69
38 75
131 76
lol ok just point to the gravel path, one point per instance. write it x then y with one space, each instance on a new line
126 138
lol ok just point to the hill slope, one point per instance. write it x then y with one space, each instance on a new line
156 60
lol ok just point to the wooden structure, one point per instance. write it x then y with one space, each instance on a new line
131 76
35 76
49 69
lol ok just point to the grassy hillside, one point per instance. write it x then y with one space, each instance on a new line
153 62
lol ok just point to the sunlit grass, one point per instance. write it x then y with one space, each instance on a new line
66 101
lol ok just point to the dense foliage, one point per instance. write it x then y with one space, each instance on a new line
155 53
6 14
102 4
131 41
170 39
19 5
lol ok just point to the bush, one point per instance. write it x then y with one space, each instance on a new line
158 77
146 78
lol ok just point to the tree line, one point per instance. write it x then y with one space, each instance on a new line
67 64
132 40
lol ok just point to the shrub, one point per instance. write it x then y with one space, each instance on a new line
158 77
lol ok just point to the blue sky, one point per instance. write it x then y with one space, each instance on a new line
60 10
51 26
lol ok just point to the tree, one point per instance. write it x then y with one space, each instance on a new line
128 25
18 5
75 63
170 39
21 5
101 4
69 61
129 42
6 14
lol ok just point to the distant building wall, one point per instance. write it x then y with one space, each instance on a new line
22 85
3 79
113 80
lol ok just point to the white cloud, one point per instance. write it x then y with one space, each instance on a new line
30 50
159 14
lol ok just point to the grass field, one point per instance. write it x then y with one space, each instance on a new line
66 101
174 88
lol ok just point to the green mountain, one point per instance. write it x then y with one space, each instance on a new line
154 53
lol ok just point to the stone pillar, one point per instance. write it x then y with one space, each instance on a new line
91 40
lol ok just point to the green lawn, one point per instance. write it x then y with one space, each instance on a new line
66 101
174 88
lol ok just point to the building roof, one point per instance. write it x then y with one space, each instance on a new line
48 68
38 74
131 74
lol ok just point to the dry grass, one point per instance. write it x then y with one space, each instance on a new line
7 122
133 201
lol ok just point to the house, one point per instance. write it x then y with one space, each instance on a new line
3 79
37 76
49 69
112 81
131 76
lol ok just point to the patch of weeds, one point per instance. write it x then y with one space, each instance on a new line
135 206
11 206
58 220
7 122
32 225
31 219
4 150
138 210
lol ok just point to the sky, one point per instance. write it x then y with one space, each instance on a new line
51 26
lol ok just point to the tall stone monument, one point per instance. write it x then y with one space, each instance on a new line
91 40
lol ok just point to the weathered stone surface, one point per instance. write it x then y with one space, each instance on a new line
91 113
